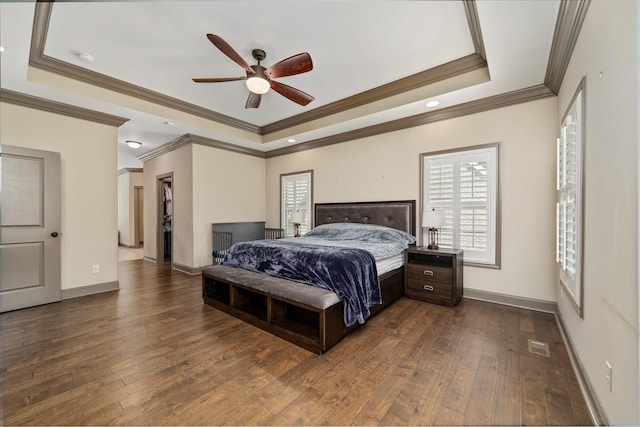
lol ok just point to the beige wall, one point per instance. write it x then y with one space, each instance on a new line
227 187
609 330
210 185
123 208
178 162
387 167
88 153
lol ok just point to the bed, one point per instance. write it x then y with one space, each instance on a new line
314 317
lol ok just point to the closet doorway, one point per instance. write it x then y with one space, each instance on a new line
164 237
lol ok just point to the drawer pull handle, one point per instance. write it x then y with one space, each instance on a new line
428 273
428 288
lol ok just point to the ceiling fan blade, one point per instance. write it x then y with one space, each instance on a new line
296 64
253 101
292 93
228 50
218 79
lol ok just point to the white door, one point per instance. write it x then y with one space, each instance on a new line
29 227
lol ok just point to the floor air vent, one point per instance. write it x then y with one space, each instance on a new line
539 348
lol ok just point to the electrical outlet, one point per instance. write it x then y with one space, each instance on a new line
96 268
609 375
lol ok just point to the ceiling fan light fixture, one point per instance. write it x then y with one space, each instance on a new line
258 85
259 79
133 144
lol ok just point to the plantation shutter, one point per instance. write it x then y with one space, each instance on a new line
464 185
568 205
475 208
441 183
296 196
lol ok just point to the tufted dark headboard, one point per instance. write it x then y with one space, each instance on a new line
399 214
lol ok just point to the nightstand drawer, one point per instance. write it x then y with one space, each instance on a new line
429 272
428 290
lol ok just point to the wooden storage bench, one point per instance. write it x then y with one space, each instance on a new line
304 315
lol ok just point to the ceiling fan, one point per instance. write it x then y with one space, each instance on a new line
259 78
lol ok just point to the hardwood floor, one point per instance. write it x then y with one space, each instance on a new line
154 354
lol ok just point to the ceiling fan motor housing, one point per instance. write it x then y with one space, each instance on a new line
259 54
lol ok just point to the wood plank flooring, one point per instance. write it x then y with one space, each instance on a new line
154 354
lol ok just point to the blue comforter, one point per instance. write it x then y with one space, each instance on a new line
349 272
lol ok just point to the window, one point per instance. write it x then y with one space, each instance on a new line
296 194
569 199
464 184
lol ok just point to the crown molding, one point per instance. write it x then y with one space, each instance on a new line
571 15
474 27
38 59
200 140
498 101
463 65
130 170
24 100
221 145
442 72
168 147
481 105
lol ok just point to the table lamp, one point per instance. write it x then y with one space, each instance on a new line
433 220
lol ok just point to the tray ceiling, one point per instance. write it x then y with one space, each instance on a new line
374 62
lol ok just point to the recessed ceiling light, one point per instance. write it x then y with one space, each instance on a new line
168 123
433 103
133 144
291 140
1 49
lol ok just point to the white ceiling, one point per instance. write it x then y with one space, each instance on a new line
356 46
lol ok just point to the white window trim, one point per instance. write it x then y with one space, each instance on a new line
493 259
285 223
571 278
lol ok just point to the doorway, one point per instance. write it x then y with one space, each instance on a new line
138 215
164 239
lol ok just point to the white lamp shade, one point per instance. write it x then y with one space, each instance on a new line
296 217
433 219
258 85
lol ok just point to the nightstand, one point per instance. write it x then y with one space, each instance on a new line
433 275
